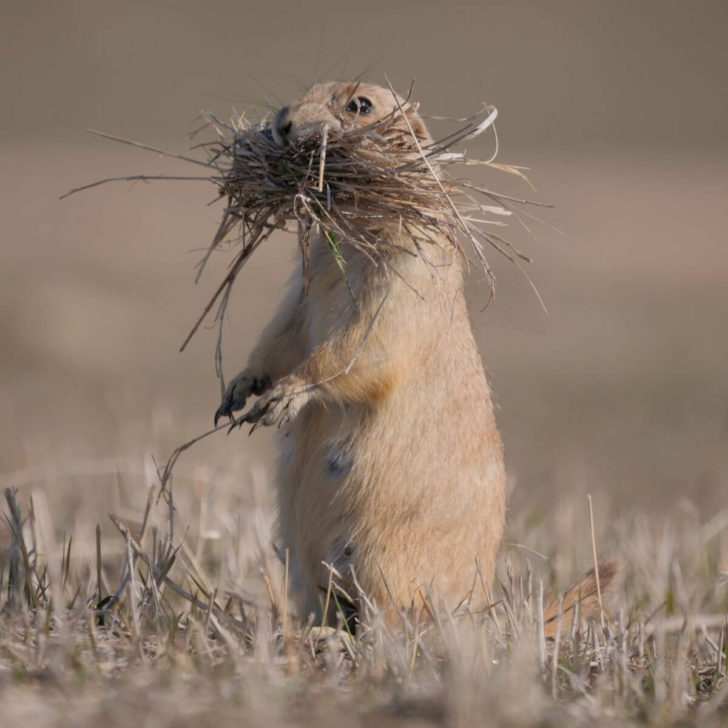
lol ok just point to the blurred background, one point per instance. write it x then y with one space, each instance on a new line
618 109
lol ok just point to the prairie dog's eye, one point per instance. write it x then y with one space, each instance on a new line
360 105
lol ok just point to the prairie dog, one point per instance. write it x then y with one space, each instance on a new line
391 466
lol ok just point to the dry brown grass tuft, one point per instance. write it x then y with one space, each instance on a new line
349 184
176 623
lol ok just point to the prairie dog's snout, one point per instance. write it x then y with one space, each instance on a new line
301 120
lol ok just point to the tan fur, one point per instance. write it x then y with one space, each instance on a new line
392 466
583 593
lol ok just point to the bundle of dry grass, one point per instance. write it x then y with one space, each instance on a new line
350 184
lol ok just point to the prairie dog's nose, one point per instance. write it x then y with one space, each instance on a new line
281 127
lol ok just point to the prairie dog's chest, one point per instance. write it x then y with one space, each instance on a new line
329 305
318 321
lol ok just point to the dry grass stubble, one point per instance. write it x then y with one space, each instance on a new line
185 617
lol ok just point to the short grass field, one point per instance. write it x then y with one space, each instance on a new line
180 617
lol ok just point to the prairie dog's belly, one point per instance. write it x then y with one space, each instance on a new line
395 473
382 489
316 478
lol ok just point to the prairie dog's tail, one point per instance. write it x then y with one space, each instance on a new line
584 593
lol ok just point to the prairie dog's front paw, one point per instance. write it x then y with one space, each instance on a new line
238 390
277 406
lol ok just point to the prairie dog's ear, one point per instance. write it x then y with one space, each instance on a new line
420 130
418 126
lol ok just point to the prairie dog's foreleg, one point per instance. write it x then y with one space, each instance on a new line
344 368
278 352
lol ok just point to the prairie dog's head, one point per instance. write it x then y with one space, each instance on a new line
344 106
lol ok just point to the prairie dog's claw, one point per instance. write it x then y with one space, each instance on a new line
222 411
237 392
277 406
